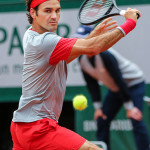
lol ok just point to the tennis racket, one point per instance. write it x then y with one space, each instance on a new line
94 11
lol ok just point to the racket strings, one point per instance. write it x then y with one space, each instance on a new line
94 9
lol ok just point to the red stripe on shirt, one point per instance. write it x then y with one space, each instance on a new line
62 50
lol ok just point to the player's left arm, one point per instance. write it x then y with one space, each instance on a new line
69 48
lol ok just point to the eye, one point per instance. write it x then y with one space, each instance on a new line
48 11
58 10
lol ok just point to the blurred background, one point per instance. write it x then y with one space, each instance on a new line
136 47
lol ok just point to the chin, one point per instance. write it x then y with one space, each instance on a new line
53 29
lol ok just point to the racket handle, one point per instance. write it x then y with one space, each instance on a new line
122 13
138 16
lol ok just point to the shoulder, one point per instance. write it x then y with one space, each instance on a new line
35 39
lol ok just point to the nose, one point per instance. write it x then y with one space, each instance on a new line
54 15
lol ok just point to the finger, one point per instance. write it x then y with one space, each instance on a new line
107 20
112 27
111 23
138 116
139 112
104 117
138 14
128 8
100 26
96 117
137 11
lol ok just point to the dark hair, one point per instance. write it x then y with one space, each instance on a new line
28 3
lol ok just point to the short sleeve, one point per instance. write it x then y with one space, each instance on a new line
62 50
40 46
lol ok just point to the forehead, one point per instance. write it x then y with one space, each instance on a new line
50 4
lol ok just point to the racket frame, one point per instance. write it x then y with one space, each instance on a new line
106 15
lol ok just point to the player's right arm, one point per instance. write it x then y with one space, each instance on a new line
97 43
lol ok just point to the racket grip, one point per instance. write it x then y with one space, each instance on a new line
138 16
122 13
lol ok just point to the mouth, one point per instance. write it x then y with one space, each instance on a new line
53 23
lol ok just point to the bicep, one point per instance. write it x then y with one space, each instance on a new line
81 47
76 50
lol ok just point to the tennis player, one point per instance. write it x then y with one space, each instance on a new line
35 123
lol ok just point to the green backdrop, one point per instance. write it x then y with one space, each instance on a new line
121 129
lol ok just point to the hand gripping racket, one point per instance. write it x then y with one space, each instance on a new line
94 11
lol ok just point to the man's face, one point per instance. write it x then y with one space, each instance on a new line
47 16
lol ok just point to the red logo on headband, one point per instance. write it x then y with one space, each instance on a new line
35 3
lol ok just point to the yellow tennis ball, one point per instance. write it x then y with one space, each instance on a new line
80 102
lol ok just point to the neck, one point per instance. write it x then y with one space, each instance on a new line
38 28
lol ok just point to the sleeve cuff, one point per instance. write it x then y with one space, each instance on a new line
128 105
97 105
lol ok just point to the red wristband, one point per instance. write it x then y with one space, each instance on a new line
128 26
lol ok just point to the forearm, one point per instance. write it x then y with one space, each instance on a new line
96 45
107 40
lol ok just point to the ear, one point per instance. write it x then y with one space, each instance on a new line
32 13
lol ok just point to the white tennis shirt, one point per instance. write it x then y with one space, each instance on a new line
43 85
